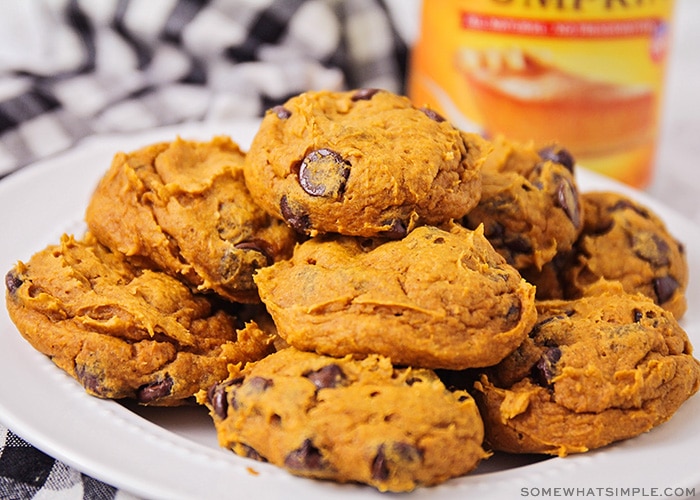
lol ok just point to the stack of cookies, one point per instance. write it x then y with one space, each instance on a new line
368 294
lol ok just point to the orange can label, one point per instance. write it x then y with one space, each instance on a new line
587 74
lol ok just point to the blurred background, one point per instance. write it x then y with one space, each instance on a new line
73 68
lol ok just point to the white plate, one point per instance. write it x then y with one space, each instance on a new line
173 453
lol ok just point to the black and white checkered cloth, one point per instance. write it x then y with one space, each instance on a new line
73 68
26 472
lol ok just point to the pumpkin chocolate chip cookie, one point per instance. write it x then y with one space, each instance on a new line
124 331
363 163
183 207
348 420
602 368
625 241
622 240
530 204
438 298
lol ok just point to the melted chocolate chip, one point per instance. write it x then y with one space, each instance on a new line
324 172
306 457
543 371
558 155
155 390
12 282
364 94
296 219
433 115
328 377
281 112
665 287
568 200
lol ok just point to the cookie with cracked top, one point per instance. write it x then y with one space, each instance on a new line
530 203
438 298
606 367
124 331
183 207
364 163
348 420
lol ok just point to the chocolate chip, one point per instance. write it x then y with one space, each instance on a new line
568 200
665 287
381 464
637 315
628 205
651 248
257 245
433 115
155 390
324 172
397 229
259 384
558 155
89 380
296 219
217 396
380 467
328 377
250 452
12 282
364 94
538 326
306 457
413 380
543 371
514 312
281 112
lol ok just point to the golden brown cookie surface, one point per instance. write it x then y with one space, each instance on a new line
363 162
348 420
183 207
122 331
436 298
595 370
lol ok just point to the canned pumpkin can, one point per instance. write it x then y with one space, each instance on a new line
587 74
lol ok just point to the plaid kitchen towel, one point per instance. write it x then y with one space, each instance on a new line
73 68
26 472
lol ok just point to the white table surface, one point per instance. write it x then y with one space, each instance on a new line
677 176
